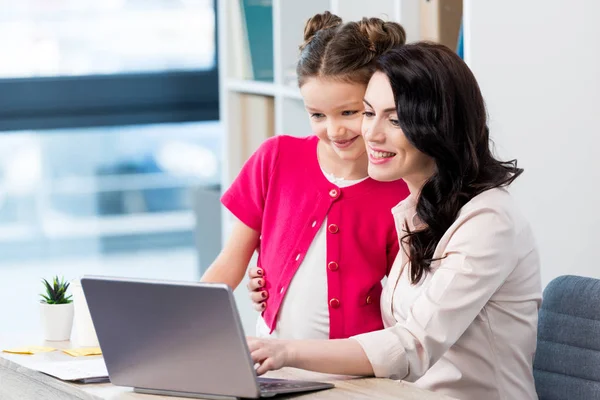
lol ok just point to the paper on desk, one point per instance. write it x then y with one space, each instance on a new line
84 351
29 350
72 370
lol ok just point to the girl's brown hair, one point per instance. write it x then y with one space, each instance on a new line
345 51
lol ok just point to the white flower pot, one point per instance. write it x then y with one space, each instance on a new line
57 321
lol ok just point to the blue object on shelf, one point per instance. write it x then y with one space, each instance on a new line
258 16
460 48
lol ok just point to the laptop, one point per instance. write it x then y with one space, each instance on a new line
177 338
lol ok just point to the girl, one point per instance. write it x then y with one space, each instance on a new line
297 200
461 302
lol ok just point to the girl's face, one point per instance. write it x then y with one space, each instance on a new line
391 155
335 109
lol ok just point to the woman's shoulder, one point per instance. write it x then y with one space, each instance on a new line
498 202
498 199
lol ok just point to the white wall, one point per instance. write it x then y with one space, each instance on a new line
538 64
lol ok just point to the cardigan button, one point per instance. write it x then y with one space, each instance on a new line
333 266
334 303
369 300
334 193
333 228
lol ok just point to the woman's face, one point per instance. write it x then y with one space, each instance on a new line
335 110
391 155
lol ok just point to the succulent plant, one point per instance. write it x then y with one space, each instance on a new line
56 292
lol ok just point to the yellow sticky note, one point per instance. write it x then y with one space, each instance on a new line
29 350
84 351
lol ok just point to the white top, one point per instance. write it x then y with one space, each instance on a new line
304 312
468 329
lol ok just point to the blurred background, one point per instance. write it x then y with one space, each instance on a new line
109 136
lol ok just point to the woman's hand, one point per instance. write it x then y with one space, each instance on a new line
270 354
256 285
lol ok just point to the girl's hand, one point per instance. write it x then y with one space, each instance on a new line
256 285
270 354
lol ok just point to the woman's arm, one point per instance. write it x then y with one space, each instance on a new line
231 264
340 356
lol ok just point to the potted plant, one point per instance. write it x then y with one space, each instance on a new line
56 310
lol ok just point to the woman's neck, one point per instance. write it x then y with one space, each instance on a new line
415 184
331 163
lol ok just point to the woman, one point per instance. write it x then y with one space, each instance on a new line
461 302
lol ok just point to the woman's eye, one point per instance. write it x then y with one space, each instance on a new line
395 122
368 114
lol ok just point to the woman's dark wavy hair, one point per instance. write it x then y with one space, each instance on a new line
442 113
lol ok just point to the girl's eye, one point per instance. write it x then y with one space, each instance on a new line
317 115
348 113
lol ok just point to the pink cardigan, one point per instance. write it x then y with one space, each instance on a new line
282 193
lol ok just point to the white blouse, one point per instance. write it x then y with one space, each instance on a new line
468 328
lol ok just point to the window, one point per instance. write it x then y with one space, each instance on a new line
73 63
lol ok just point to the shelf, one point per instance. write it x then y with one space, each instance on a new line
263 88
291 92
252 87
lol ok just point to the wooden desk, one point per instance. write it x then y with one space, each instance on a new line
17 382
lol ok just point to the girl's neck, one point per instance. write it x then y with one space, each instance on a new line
331 163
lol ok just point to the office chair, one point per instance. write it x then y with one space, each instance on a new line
567 360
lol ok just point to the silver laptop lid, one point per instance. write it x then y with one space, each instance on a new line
175 336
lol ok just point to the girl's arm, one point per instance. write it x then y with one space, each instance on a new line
231 264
